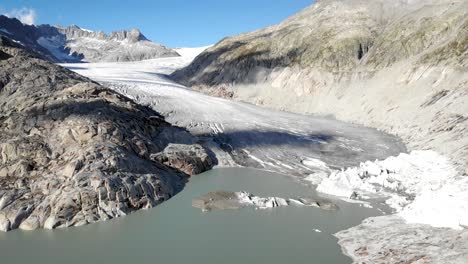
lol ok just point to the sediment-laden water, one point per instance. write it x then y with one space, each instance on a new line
175 232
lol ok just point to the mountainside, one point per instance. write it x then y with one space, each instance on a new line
73 152
73 44
399 66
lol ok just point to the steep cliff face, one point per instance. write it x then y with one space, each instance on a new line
73 152
72 44
400 66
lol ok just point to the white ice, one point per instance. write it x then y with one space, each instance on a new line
279 141
423 187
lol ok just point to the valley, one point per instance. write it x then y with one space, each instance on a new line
339 134
243 134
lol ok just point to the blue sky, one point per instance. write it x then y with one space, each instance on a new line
175 23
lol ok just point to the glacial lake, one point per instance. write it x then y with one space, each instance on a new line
175 232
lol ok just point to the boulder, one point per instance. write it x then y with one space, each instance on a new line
191 159
31 223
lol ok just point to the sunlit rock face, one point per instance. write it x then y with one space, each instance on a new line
224 200
73 152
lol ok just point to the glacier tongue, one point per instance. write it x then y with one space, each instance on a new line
423 187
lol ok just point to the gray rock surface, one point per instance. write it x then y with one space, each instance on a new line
124 45
191 159
219 200
224 200
399 66
73 152
388 239
73 44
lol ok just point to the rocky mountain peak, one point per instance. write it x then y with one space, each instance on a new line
133 35
10 20
73 43
75 31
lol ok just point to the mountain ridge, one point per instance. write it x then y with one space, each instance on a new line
74 44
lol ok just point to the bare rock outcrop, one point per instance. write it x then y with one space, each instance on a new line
73 152
191 159
389 239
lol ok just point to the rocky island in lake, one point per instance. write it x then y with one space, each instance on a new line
223 200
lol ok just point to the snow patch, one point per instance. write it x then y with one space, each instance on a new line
315 163
55 45
322 170
87 30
